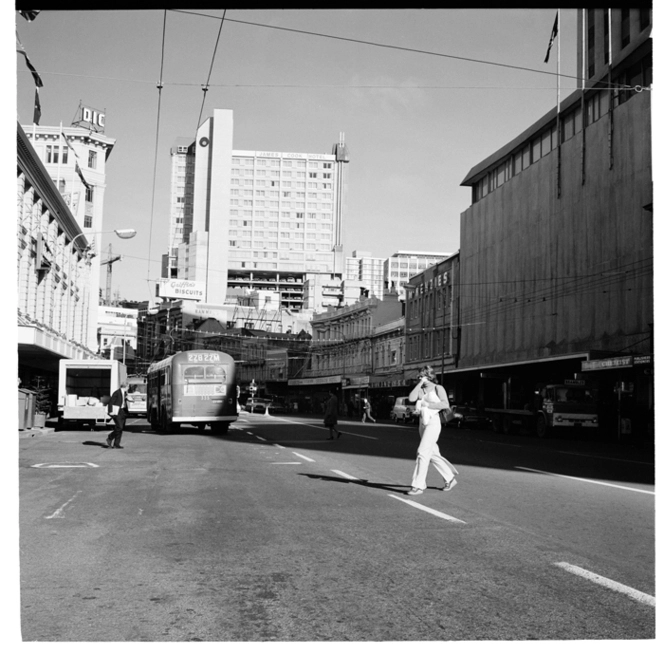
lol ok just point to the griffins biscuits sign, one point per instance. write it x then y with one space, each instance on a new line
181 288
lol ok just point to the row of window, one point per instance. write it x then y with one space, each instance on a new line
236 181
293 245
422 346
625 35
596 106
300 195
279 173
60 154
258 227
285 163
258 213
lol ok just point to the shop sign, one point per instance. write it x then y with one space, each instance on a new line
643 360
180 288
313 381
606 364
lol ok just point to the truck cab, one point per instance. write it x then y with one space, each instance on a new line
571 404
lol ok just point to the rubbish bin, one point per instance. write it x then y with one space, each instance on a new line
26 408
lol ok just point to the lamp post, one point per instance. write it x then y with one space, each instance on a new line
120 233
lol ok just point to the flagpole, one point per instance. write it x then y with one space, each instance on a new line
558 166
610 94
61 151
583 96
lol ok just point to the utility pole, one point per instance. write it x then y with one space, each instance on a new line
109 273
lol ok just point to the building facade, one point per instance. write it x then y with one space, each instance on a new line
556 248
254 220
75 159
402 265
368 271
53 273
432 322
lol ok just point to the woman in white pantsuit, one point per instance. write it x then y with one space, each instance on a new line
430 398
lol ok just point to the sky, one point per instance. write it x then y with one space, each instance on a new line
414 122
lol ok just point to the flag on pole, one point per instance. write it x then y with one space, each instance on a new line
29 14
77 168
35 75
36 116
554 33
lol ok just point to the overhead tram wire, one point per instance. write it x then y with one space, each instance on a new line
207 83
387 46
160 86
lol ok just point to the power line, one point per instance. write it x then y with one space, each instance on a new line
207 83
156 145
380 45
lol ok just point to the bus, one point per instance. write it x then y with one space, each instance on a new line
137 387
196 387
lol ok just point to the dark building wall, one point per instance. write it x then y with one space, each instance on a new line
544 275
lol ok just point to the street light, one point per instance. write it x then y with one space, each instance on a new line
125 233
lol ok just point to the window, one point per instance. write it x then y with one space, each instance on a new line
607 45
644 19
624 27
87 221
89 194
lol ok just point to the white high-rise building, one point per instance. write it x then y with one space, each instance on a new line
367 270
253 220
402 265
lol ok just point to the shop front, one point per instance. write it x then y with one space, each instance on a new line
626 394
309 394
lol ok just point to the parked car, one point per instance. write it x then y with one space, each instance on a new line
256 405
277 405
402 410
468 416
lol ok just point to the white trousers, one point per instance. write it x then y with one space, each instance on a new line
428 452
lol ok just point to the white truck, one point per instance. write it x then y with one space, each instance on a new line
84 389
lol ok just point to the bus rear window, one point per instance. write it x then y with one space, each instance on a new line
201 373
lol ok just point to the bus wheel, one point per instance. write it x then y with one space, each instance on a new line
540 426
220 428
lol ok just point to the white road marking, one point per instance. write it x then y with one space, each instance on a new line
634 594
306 458
59 513
307 424
260 438
281 447
286 463
588 481
343 474
444 516
65 465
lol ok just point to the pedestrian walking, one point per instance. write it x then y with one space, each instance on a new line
430 399
331 415
366 410
117 409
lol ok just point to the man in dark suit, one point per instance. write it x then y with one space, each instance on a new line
117 409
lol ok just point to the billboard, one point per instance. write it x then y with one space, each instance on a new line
180 288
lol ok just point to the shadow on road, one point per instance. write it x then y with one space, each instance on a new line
397 488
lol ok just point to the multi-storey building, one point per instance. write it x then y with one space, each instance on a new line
368 271
403 265
54 313
557 247
75 158
251 219
432 318
342 346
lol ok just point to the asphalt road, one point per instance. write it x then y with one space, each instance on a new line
273 533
